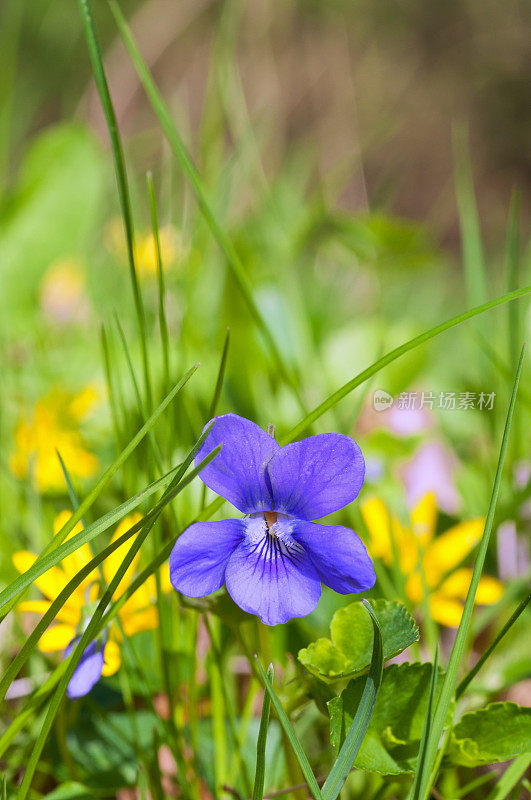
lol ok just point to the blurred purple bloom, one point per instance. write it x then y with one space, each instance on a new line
513 552
431 471
273 560
88 671
407 421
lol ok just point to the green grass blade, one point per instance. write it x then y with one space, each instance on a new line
71 491
183 157
259 776
488 652
11 592
512 266
221 375
53 679
28 646
94 628
121 177
87 636
474 784
426 728
216 394
356 733
28 713
163 324
223 712
450 680
45 562
291 735
472 246
348 387
361 377
61 598
111 394
506 783
512 259
138 396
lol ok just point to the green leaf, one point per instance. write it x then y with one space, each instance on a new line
104 747
392 740
70 791
349 651
498 732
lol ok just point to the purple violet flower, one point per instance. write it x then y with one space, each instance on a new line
88 671
274 559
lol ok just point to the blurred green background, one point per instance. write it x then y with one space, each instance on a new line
332 139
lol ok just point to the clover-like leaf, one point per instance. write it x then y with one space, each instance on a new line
498 732
348 652
392 740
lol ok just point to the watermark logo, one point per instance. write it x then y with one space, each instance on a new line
382 400
447 401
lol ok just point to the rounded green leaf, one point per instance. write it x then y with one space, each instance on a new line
498 732
348 652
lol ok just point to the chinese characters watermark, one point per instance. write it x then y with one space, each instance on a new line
447 401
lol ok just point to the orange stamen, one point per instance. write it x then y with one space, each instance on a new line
270 518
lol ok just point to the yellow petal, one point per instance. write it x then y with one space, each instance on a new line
114 561
415 588
456 585
138 621
377 520
144 596
84 402
165 582
112 658
51 583
64 614
406 545
489 590
58 637
445 611
75 562
449 549
60 521
424 518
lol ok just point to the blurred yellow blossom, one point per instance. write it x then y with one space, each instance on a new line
54 425
145 251
63 297
427 560
139 612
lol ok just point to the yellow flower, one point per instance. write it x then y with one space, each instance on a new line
145 253
62 292
429 561
138 613
54 425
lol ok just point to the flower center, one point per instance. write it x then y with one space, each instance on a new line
270 519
